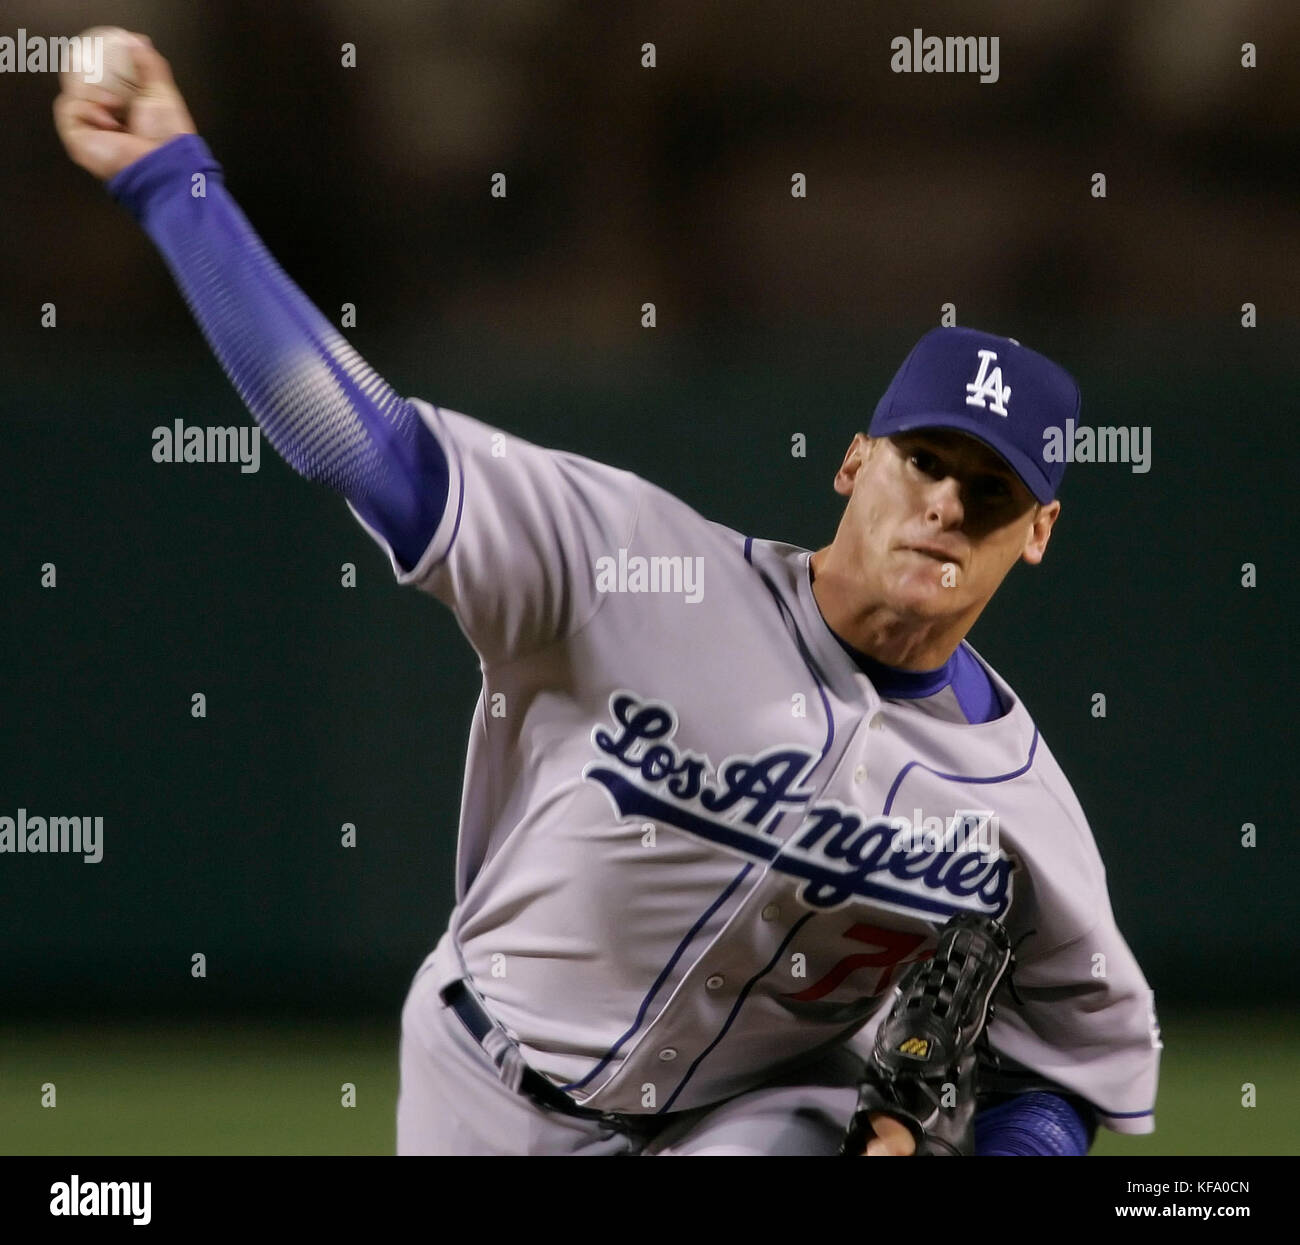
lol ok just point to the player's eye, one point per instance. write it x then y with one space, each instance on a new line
993 488
923 461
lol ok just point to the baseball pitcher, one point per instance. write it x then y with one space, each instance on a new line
757 855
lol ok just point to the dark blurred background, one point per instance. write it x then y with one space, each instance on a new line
776 315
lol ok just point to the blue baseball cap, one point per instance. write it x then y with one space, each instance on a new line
992 388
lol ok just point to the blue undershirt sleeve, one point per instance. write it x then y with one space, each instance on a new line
324 410
1031 1124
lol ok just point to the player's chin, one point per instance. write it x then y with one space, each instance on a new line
924 594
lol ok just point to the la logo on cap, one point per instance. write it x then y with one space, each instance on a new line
988 385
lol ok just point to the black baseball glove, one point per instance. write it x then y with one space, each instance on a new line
922 1067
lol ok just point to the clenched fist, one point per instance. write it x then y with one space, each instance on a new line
104 134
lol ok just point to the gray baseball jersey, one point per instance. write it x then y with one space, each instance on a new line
695 841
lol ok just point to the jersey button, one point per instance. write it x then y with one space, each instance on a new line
715 982
771 912
877 722
667 1055
860 774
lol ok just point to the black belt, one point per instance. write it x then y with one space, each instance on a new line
533 1084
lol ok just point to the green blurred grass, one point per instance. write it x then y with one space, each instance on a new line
198 1089
258 1089
1206 1060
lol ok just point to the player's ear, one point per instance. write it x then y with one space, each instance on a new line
858 451
1040 532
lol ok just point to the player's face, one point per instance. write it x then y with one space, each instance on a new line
937 519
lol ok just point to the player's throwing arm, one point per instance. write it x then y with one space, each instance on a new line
323 409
